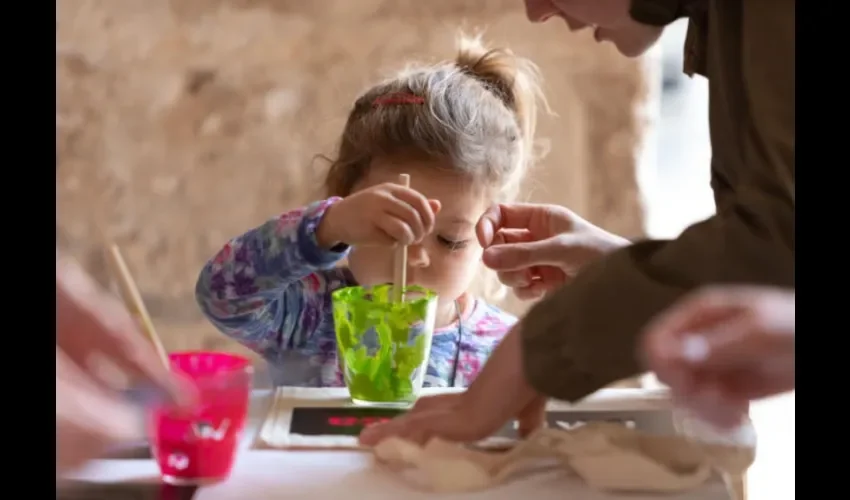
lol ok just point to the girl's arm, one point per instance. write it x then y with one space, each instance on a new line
254 290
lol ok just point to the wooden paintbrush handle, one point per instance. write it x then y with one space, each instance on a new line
400 261
133 301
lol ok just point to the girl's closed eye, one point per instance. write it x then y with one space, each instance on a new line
452 243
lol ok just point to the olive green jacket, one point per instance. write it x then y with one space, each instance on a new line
586 335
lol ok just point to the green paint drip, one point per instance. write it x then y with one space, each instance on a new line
384 345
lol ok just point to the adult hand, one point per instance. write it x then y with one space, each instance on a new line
92 326
88 417
537 248
722 347
91 323
499 394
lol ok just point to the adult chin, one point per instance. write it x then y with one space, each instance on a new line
638 43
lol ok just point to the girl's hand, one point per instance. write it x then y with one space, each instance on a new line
386 214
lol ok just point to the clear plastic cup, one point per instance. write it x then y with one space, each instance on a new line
198 446
384 345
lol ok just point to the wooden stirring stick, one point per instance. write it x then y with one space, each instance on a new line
400 272
133 301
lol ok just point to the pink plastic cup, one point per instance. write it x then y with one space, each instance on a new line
199 446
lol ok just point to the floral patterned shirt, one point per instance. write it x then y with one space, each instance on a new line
270 289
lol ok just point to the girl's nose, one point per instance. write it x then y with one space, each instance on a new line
417 256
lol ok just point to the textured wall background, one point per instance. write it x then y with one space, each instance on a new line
182 123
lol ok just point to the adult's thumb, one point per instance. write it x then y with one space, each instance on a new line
518 256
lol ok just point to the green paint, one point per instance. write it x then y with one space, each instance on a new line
385 372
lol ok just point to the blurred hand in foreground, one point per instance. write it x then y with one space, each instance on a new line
722 347
92 326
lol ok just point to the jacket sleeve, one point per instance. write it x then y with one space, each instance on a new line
585 336
256 288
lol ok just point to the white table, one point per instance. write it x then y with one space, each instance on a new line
267 475
319 475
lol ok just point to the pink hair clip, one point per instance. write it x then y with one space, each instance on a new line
397 98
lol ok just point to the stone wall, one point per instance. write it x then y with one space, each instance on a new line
182 123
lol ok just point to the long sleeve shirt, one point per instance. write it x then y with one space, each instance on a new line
586 335
270 289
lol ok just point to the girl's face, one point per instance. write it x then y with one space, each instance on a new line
446 260
609 19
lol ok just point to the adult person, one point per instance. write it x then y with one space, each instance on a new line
722 347
585 336
91 324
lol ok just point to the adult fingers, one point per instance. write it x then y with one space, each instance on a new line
511 216
450 424
92 321
662 342
413 426
535 290
734 362
702 309
81 401
87 417
760 382
737 342
498 216
518 256
516 279
506 236
713 403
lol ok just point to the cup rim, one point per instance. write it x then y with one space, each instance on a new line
427 293
243 365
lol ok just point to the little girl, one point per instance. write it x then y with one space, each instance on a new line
463 131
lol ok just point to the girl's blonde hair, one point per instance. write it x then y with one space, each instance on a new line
477 112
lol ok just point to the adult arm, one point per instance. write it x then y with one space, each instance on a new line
584 336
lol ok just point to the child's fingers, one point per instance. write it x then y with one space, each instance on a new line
380 238
402 211
396 229
419 204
